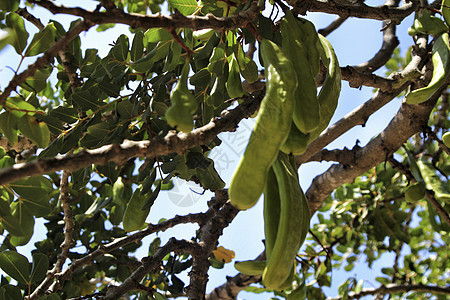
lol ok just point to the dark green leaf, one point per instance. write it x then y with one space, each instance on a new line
38 81
65 114
148 182
137 47
12 292
85 100
151 199
39 267
15 265
120 49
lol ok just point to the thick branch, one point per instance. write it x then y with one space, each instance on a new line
210 234
392 288
409 120
173 142
157 21
357 10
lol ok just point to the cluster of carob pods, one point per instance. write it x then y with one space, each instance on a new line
291 116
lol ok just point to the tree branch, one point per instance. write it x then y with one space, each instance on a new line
392 288
332 26
357 10
360 115
174 21
210 234
199 218
230 289
172 143
408 121
390 42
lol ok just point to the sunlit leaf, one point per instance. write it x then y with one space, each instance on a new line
42 40
16 23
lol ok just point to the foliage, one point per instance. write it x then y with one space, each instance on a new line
90 141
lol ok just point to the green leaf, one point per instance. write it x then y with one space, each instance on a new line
12 292
8 126
85 101
109 88
32 187
38 81
109 170
432 181
42 40
39 267
156 35
9 5
217 60
16 23
120 49
148 182
186 7
65 114
137 47
12 225
35 130
134 216
26 225
15 265
151 199
19 107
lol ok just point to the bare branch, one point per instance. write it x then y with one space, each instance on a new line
392 288
67 243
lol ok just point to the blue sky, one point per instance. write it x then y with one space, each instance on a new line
355 42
